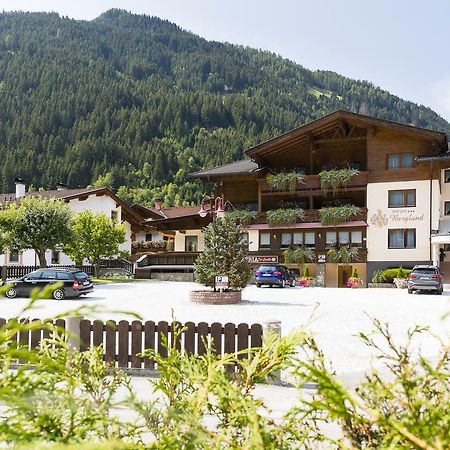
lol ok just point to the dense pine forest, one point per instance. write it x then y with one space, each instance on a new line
136 103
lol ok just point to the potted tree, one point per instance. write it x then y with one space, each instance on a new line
354 281
306 279
224 255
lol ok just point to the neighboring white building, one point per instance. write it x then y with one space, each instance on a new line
97 200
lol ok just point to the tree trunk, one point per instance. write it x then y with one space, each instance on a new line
96 268
41 256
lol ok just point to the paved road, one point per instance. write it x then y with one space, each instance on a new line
339 313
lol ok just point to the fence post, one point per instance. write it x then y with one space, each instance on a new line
73 332
4 273
273 326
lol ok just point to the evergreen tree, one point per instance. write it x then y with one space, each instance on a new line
224 254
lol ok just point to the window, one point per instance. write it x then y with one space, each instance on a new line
402 238
400 161
447 208
357 237
331 239
191 243
114 215
343 238
63 276
286 240
34 275
55 257
401 199
245 239
447 176
297 239
264 240
148 237
13 257
310 239
49 275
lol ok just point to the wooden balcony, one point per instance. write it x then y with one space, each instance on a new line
311 216
312 185
169 259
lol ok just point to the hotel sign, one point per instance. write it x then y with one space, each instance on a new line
399 217
262 259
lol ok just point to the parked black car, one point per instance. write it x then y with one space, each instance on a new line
425 278
75 283
274 275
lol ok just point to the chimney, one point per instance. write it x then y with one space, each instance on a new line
20 187
158 203
61 186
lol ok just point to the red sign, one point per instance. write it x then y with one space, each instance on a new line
262 259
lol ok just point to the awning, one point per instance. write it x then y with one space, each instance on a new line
265 226
440 239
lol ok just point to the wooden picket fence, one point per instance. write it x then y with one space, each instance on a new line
124 341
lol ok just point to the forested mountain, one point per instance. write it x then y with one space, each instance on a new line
135 101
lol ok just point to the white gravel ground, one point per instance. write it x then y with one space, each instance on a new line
340 313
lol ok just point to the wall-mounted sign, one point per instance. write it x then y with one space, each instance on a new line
262 259
221 281
398 217
322 258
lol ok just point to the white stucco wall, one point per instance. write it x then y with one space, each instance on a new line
380 219
156 236
180 240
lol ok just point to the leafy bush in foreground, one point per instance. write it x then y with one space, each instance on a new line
68 399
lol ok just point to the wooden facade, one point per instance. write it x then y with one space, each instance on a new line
338 140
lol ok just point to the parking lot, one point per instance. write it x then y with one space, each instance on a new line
338 314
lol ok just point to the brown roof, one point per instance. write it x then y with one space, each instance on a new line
306 132
176 212
244 167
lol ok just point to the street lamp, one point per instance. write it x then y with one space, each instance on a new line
214 207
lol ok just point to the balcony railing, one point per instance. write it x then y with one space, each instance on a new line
311 215
312 182
169 258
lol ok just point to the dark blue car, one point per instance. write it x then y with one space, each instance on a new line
274 275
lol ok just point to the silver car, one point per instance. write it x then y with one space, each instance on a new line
425 278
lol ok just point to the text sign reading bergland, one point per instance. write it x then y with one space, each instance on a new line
221 281
401 217
262 259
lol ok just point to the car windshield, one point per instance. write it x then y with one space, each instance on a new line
267 269
33 275
425 271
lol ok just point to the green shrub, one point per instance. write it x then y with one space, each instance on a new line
306 273
285 216
388 275
355 273
298 255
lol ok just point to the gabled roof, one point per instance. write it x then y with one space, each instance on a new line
73 194
244 167
305 133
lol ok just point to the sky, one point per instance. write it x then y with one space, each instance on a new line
399 45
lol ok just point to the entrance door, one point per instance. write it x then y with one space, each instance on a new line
344 273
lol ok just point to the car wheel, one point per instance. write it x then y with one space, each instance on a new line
11 293
440 292
283 284
258 284
293 283
59 294
410 291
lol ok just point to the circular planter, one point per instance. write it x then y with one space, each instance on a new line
215 298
